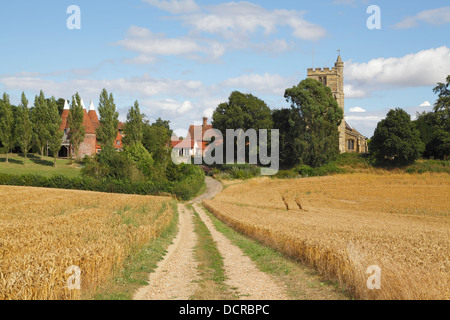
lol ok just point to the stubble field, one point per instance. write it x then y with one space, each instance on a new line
46 231
344 225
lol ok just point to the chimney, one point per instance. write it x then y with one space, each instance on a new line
205 121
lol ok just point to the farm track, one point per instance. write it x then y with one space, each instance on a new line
176 274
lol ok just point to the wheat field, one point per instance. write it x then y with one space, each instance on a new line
343 225
46 231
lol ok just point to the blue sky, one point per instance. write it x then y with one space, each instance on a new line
181 58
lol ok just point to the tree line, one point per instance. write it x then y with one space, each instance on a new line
398 140
24 127
143 167
308 129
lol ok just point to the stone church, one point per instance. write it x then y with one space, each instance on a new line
350 140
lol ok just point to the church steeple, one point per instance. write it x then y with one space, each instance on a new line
339 63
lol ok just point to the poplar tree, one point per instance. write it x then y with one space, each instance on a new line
55 134
6 124
24 127
109 121
39 116
134 125
76 126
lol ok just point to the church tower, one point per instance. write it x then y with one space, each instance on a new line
334 79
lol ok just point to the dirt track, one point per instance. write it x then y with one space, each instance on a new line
176 275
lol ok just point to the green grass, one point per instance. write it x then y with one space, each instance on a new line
211 285
302 283
139 265
421 166
34 165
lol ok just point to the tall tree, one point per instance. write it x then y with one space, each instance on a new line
109 121
24 127
285 120
39 116
55 134
134 126
77 131
442 115
315 123
434 126
6 124
156 138
396 141
242 111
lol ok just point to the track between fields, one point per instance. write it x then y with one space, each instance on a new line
176 275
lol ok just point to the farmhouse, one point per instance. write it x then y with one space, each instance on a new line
350 140
196 142
91 122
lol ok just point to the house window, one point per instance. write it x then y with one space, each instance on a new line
118 142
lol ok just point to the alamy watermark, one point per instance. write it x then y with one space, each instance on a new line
374 21
74 20
374 280
257 146
74 281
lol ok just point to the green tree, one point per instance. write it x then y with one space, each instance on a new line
285 121
39 116
109 121
77 130
242 111
156 139
396 141
133 127
24 127
55 134
163 123
313 125
434 126
6 124
442 115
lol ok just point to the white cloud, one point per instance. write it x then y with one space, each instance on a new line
235 20
175 6
425 104
270 84
148 45
140 87
235 26
357 110
424 68
351 92
437 16
208 112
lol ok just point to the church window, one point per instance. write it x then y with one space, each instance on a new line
351 144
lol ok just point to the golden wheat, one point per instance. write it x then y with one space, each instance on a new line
342 225
45 231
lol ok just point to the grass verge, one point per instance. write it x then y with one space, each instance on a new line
302 283
138 266
211 285
34 165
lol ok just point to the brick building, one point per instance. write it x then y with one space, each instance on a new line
196 141
91 122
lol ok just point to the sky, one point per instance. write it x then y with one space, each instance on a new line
181 58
